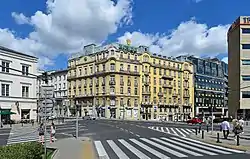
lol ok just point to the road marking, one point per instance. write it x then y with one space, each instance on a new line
135 151
131 132
189 130
117 150
201 146
149 149
214 146
162 129
180 132
164 148
167 129
173 131
121 128
184 131
189 147
137 135
177 147
100 150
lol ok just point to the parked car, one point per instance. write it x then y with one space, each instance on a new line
88 117
195 121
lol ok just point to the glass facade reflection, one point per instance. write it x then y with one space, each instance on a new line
211 85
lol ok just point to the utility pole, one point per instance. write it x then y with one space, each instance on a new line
45 118
76 106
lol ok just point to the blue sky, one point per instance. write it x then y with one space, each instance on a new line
52 30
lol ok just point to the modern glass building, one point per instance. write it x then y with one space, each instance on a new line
211 86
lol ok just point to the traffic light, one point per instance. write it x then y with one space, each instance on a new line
45 77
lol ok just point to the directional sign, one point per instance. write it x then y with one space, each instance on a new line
47 91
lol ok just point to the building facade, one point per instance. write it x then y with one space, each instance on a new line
18 84
58 79
239 67
120 81
211 85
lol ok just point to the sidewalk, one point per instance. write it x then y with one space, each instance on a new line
229 143
81 148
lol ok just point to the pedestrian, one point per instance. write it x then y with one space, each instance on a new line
225 127
241 122
52 132
41 133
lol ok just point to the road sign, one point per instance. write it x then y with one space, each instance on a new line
47 91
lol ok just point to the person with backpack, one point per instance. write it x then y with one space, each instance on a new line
41 133
52 132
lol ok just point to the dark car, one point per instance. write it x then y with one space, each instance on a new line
88 117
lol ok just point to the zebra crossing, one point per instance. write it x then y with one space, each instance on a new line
182 132
162 147
24 134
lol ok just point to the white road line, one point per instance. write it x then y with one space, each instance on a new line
167 129
177 147
162 129
149 149
201 146
189 130
184 131
100 150
180 132
121 128
158 129
135 151
137 135
131 132
189 147
214 146
174 131
117 150
164 148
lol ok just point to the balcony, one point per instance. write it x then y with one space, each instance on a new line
185 86
167 85
167 77
174 94
146 73
186 78
160 94
146 92
111 82
186 95
71 76
146 83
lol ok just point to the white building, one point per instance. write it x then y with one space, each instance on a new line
58 79
18 84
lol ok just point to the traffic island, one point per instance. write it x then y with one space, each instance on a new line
81 148
217 139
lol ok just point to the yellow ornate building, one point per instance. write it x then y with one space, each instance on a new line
121 81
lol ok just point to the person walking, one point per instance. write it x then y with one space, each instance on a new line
225 126
241 122
41 133
52 132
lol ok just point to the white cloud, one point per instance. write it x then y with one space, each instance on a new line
188 38
225 59
68 25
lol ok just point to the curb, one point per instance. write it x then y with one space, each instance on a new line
241 148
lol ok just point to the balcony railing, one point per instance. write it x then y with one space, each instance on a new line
111 82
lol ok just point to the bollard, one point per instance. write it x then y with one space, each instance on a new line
22 123
218 137
238 140
207 128
202 134
196 131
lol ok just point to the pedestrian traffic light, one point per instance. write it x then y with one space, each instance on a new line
45 77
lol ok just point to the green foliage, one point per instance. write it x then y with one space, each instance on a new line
29 150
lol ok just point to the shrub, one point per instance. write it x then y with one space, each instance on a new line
29 150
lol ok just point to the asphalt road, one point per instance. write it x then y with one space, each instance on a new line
131 139
4 134
140 139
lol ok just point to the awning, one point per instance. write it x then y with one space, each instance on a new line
6 112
